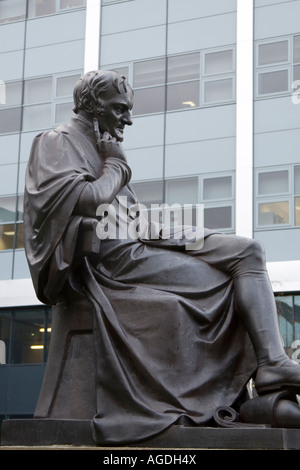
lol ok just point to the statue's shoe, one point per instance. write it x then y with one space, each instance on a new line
281 375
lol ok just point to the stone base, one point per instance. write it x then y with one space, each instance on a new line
49 432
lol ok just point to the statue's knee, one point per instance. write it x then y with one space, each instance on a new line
256 250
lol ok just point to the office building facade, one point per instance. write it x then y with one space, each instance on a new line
216 122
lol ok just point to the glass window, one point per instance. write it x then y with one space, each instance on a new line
285 317
37 117
297 179
273 182
41 7
28 336
63 112
296 49
273 82
183 67
7 209
2 92
12 94
71 4
65 85
297 72
38 90
218 90
274 213
122 71
7 234
182 191
20 235
148 73
218 217
12 10
297 316
297 212
273 53
218 62
5 325
10 120
20 207
217 188
149 192
183 95
149 100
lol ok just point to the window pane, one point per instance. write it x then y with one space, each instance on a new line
151 72
20 207
5 324
7 209
63 112
28 336
297 72
217 91
71 3
297 180
183 67
183 95
37 91
65 85
149 193
273 82
274 213
297 212
218 217
20 236
37 117
217 188
12 10
7 234
41 7
284 306
218 62
273 53
296 49
182 191
122 71
297 316
149 100
10 120
12 94
273 182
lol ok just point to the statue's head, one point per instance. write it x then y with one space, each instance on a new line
106 96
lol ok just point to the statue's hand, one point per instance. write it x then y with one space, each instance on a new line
109 147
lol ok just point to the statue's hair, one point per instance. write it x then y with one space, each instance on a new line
89 90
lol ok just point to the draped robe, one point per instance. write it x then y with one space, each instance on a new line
169 344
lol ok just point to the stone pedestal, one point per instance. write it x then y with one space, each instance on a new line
49 432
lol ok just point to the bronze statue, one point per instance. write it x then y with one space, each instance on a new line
177 333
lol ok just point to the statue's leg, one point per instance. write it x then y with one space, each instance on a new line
244 259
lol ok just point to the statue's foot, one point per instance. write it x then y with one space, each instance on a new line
281 375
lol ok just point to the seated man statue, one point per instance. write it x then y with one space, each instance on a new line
177 332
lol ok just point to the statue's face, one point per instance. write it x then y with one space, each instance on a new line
115 113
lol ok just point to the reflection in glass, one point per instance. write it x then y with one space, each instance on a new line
12 10
149 192
274 213
7 209
71 4
297 179
149 73
28 336
182 191
183 67
63 112
218 62
273 53
297 211
284 306
296 49
41 7
38 90
218 90
20 235
218 217
37 117
7 234
273 182
217 188
5 325
13 94
183 96
273 82
65 85
149 100
10 120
